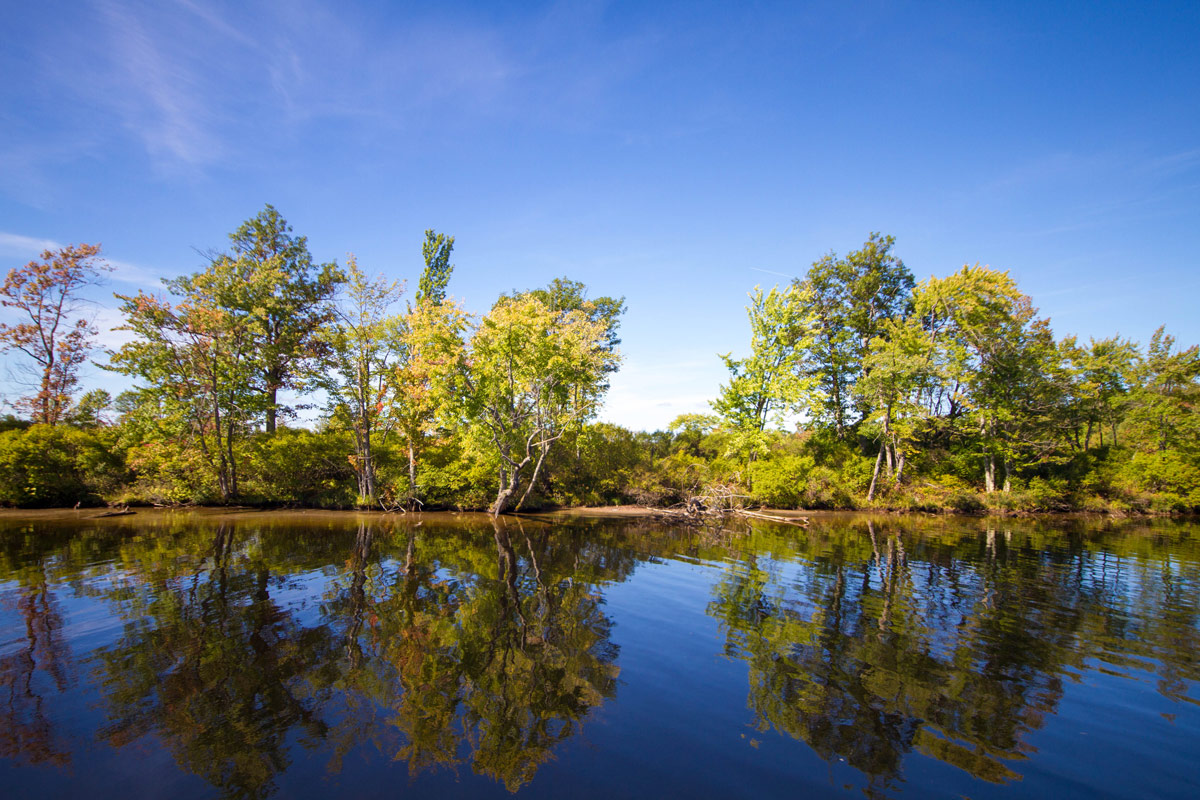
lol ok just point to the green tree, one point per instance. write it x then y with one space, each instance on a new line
436 250
360 348
899 372
1164 408
196 361
530 375
285 297
1100 376
1001 362
52 331
90 411
1163 424
770 383
851 299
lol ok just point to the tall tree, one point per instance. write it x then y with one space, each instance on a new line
851 300
359 349
197 361
52 330
530 375
770 383
436 250
431 338
285 295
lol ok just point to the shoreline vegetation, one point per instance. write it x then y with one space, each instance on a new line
798 517
860 389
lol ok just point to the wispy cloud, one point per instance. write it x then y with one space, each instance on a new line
1173 163
160 94
15 244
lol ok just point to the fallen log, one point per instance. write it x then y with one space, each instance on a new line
119 512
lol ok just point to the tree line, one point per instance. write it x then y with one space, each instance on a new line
956 384
862 388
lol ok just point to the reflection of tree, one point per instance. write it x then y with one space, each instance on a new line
217 670
869 657
494 670
468 644
38 665
540 659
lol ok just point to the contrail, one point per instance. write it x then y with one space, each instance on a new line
772 272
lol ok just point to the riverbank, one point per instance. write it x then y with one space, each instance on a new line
631 512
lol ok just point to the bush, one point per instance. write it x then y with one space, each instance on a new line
166 473
671 480
1168 480
46 465
448 477
310 468
780 482
824 489
1047 494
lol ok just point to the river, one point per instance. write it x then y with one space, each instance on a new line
252 654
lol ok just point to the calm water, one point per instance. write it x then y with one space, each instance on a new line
176 655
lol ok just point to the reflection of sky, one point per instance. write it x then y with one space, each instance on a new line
680 715
675 154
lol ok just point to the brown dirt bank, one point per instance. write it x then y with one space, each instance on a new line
327 515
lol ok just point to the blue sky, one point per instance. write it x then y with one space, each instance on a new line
674 153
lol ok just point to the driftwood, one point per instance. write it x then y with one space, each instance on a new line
717 505
123 511
799 522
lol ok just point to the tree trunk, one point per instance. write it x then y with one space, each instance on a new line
412 475
545 447
366 469
44 396
1007 482
989 474
899 468
273 381
233 487
875 474
507 487
889 446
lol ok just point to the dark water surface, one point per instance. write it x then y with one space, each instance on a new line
256 655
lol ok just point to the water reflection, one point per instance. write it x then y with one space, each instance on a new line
495 666
244 647
215 668
868 644
34 664
460 646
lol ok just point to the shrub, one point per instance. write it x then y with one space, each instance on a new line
780 482
824 489
57 466
310 468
